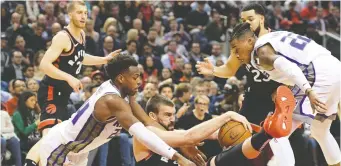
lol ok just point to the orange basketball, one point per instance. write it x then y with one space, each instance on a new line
232 133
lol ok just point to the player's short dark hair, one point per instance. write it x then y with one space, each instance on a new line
181 89
259 9
165 86
156 101
71 6
119 64
240 30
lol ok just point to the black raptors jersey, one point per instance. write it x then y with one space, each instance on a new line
157 160
70 62
258 90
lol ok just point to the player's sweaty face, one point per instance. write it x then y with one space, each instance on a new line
241 49
79 16
166 117
132 80
253 19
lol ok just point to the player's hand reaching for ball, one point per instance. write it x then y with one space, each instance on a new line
194 154
316 103
240 118
205 67
182 161
75 84
112 54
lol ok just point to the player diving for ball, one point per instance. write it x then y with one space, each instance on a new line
311 71
101 118
161 110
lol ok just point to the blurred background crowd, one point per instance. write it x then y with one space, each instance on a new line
167 39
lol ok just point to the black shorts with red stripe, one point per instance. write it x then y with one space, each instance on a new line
53 102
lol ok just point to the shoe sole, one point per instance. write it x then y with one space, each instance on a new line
285 105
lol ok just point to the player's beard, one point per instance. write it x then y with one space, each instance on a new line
77 24
257 30
169 127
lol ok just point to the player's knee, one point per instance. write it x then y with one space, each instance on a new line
319 130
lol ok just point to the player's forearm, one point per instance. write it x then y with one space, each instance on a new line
203 130
293 72
94 60
151 140
53 72
223 72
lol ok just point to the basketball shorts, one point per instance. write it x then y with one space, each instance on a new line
54 151
53 104
324 76
255 109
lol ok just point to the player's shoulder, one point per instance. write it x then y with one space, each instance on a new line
111 100
61 37
269 38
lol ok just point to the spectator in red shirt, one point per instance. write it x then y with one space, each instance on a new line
18 87
309 12
146 10
294 18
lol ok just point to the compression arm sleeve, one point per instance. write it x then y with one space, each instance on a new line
293 72
151 140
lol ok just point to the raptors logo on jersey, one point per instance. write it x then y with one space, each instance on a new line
76 61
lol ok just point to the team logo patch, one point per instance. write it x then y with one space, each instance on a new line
51 109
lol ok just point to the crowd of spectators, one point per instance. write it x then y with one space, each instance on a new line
167 38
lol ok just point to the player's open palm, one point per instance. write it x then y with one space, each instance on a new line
316 103
194 154
240 118
75 84
205 67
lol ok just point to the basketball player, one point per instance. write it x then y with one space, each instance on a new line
101 118
162 110
258 88
309 68
62 63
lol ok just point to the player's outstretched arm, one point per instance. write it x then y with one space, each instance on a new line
56 48
97 60
227 70
269 60
199 132
121 110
